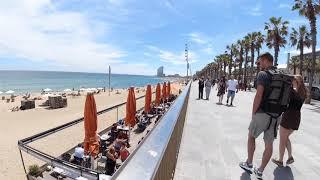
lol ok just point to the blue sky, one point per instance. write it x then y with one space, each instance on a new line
133 36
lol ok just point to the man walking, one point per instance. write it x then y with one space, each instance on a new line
201 86
261 122
232 87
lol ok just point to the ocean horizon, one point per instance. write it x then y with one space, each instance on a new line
23 81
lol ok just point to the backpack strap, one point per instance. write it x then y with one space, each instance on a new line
275 124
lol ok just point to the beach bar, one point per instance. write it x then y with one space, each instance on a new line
158 149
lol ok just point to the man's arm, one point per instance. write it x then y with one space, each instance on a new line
257 99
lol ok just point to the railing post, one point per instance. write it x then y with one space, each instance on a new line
117 114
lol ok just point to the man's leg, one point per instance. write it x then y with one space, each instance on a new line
251 147
268 149
232 97
199 93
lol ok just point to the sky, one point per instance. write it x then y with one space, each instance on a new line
132 36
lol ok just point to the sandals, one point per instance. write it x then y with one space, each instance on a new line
278 163
290 160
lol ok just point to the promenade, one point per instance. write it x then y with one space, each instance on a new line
215 137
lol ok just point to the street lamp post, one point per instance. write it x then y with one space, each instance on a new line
187 59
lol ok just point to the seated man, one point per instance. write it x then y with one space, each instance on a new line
79 154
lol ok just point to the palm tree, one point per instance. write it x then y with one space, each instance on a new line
259 42
240 45
246 43
276 35
300 38
252 40
310 9
293 64
233 51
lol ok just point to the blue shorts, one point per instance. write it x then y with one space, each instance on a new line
231 93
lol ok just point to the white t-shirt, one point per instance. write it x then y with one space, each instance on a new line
232 85
79 152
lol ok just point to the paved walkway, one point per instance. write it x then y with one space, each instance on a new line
215 136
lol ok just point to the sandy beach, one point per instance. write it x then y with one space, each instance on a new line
22 124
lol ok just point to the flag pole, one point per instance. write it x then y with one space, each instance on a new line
109 79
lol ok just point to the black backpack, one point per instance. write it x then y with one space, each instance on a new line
276 96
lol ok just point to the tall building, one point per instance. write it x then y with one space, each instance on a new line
160 72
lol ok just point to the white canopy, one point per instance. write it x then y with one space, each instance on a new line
47 90
82 89
100 88
67 90
1 92
10 92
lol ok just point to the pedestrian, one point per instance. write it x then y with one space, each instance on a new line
201 86
261 121
221 89
232 87
208 88
291 119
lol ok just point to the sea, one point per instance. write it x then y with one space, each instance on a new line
35 81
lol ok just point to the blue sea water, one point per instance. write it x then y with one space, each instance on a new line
35 81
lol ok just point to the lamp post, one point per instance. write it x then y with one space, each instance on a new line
187 59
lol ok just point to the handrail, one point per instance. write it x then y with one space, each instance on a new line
150 159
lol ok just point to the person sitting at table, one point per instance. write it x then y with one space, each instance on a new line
117 144
79 154
112 157
114 131
124 153
123 137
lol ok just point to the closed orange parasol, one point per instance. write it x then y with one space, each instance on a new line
147 106
168 89
91 142
158 94
130 108
164 91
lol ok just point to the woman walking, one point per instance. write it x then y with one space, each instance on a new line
208 88
221 89
291 119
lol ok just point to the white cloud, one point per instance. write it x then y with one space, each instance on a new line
255 11
198 38
36 31
173 57
285 6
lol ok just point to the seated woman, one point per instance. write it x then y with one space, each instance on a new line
124 153
112 157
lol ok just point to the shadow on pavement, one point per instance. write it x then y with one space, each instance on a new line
284 173
245 176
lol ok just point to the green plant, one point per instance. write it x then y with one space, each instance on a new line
34 170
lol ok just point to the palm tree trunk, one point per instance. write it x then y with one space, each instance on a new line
301 59
245 66
230 63
252 62
314 43
276 54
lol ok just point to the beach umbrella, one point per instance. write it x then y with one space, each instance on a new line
47 90
164 91
148 97
91 142
158 94
82 89
67 90
10 92
168 89
130 119
100 89
1 92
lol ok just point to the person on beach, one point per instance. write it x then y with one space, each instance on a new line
221 89
208 88
232 89
261 121
201 86
79 154
291 120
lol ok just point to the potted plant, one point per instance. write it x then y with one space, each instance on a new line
34 172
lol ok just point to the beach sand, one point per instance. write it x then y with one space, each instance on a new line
22 124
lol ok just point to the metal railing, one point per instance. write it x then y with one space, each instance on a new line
157 155
67 166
